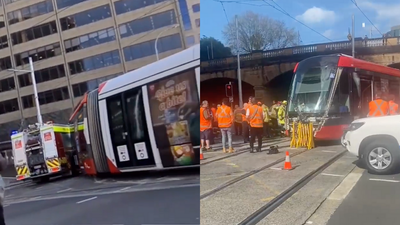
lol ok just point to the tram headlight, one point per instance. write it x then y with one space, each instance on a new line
354 126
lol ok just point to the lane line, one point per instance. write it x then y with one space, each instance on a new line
86 200
328 151
384 180
61 191
332 175
122 189
348 183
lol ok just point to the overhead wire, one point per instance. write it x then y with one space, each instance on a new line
223 8
355 3
281 10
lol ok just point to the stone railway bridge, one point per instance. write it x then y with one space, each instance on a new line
267 74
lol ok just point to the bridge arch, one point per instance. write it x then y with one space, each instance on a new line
213 90
278 88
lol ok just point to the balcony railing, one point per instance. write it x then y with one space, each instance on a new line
323 48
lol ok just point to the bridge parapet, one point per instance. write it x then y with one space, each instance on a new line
315 49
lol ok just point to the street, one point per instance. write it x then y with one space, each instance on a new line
170 199
373 200
234 187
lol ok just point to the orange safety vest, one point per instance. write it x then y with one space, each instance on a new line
244 115
225 117
378 107
393 107
204 123
214 111
256 116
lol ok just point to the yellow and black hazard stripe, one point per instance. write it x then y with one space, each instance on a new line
53 163
22 170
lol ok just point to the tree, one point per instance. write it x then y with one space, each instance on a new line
259 32
211 48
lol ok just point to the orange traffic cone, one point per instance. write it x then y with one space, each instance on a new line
288 164
201 154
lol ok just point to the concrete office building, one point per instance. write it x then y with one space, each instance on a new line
77 44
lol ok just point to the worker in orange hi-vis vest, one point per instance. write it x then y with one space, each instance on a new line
225 122
238 120
393 106
205 126
255 116
378 107
245 124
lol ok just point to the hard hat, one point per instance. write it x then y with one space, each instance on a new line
284 102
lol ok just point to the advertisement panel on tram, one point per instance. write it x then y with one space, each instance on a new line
174 105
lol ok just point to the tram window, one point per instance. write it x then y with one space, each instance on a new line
341 99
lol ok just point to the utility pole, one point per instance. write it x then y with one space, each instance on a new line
239 76
35 92
212 48
352 36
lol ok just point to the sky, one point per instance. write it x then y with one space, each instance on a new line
331 20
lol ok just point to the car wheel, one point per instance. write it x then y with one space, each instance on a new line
381 157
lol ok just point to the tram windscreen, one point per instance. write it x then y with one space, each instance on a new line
312 84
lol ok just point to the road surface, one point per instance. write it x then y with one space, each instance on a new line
373 200
123 201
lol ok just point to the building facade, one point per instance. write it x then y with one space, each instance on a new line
77 44
394 31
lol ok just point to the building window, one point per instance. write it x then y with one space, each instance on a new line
27 101
145 49
85 17
2 23
43 75
81 88
54 95
3 42
95 62
34 33
187 24
30 12
125 6
7 84
190 40
90 40
196 8
197 22
38 54
9 106
68 3
5 63
148 23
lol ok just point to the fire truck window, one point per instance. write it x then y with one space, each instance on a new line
341 100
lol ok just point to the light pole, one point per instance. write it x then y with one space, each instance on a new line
158 36
239 75
35 92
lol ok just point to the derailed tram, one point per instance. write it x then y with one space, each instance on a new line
333 90
146 119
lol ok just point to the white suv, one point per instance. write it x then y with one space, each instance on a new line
375 140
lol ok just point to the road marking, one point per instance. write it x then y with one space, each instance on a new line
384 180
329 151
275 168
86 200
146 189
309 222
267 199
122 189
347 185
332 175
61 191
35 198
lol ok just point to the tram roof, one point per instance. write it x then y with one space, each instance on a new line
180 58
349 61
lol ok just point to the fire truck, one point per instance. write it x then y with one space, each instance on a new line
41 152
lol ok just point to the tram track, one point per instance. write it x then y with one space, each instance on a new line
269 207
246 175
239 152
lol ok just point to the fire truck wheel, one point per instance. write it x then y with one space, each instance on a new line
381 156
